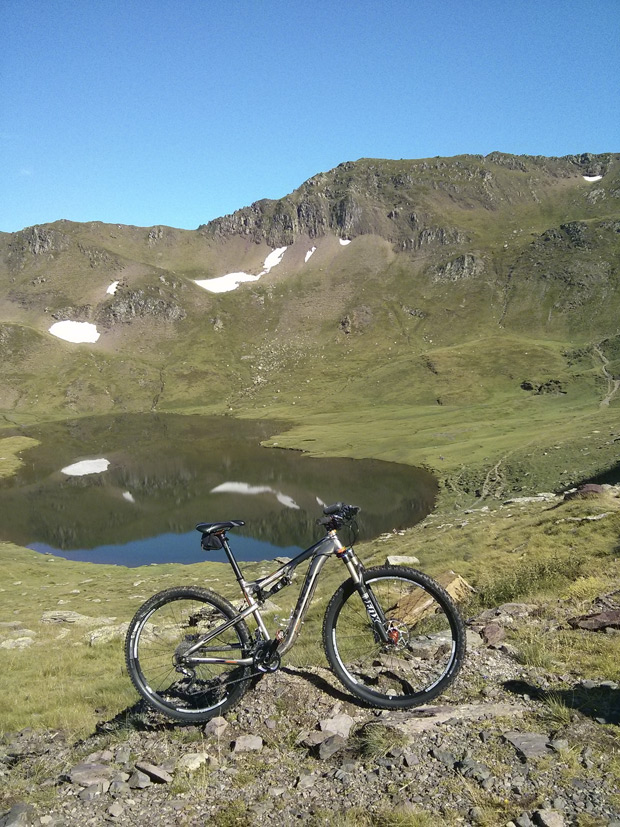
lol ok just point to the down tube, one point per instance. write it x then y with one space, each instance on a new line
305 596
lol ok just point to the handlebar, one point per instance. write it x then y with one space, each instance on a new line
337 514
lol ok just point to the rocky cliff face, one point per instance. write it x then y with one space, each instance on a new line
398 199
135 304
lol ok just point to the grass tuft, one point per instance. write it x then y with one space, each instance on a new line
374 740
533 650
556 711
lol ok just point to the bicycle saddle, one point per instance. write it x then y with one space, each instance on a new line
216 528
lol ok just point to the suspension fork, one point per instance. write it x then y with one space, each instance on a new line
373 609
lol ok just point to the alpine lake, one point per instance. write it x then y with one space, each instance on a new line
129 489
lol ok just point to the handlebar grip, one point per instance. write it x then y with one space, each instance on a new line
333 509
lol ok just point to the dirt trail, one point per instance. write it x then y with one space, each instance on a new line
613 385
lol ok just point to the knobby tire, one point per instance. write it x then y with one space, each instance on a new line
166 625
426 645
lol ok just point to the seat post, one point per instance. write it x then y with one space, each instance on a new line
231 559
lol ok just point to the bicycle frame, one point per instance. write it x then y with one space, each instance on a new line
264 587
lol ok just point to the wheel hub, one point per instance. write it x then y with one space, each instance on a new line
397 634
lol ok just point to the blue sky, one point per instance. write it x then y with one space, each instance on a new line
163 112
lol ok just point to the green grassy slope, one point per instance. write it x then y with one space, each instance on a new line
470 325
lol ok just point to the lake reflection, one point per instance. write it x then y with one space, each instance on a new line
129 490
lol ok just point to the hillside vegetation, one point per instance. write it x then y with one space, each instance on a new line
471 324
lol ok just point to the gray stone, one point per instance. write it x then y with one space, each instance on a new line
445 757
216 726
101 757
17 643
248 743
116 810
119 788
18 816
313 739
549 818
401 560
155 773
304 782
609 619
493 633
517 609
410 723
94 791
473 639
331 746
87 773
410 759
123 755
338 725
341 775
139 780
528 744
192 761
277 792
106 633
66 616
473 769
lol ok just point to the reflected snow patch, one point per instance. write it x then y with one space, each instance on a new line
246 488
308 254
345 241
127 495
592 178
112 288
86 466
76 332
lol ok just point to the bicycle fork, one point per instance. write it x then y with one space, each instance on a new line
373 609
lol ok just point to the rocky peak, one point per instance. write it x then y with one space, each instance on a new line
398 200
36 241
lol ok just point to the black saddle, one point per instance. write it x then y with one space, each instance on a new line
218 528
212 533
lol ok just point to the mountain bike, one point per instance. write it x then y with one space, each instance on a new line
391 634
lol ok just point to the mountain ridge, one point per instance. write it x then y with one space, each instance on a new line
326 202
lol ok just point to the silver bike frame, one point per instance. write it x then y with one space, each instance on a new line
328 546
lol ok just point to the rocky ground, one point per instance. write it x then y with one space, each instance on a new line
510 744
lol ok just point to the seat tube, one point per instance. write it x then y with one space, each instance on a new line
232 560
243 586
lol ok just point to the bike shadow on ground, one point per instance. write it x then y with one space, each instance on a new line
324 685
141 718
601 703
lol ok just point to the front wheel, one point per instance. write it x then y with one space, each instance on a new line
409 652
159 662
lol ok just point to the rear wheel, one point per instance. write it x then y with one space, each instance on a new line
409 653
159 636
